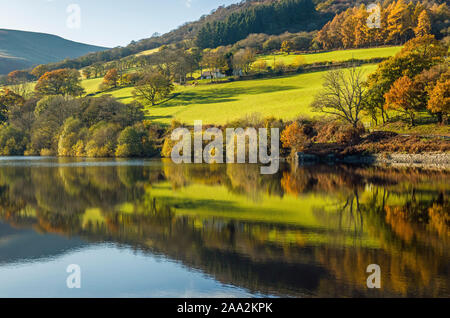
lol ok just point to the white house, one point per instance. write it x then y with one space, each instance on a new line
212 75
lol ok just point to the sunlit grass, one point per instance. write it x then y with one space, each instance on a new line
148 52
334 56
283 97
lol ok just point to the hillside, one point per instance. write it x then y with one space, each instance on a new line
247 17
284 97
20 49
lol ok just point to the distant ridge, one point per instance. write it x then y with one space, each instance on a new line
22 49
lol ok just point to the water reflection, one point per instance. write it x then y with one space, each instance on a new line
308 231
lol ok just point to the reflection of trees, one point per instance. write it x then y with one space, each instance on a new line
413 247
346 213
238 178
378 216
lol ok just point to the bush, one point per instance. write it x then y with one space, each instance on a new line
103 140
72 136
47 152
349 134
336 131
12 141
294 136
134 142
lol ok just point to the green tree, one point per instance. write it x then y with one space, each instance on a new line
102 140
134 142
72 138
12 141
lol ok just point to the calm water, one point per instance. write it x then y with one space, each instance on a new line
154 229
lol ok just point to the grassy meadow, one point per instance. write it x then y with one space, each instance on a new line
283 97
333 56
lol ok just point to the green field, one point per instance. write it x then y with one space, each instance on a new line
91 86
334 56
283 97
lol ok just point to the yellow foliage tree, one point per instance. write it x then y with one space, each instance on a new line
423 24
439 102
403 97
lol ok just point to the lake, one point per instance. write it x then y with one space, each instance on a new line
150 228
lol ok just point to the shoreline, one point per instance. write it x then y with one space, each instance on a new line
424 160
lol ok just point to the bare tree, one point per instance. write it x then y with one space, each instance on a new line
342 95
153 87
243 60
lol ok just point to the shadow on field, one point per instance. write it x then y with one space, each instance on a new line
221 95
158 117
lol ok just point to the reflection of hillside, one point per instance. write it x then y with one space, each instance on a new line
376 216
17 245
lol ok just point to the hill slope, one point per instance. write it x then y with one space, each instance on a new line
20 49
240 15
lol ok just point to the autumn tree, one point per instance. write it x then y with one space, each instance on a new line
398 23
111 78
404 97
418 55
39 70
153 87
64 82
19 82
342 95
294 137
348 28
423 24
439 102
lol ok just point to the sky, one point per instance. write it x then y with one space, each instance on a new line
107 23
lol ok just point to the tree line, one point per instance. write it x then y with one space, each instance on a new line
399 21
51 120
268 18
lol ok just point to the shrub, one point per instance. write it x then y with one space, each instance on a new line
72 133
349 134
134 142
47 152
12 141
294 137
103 140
